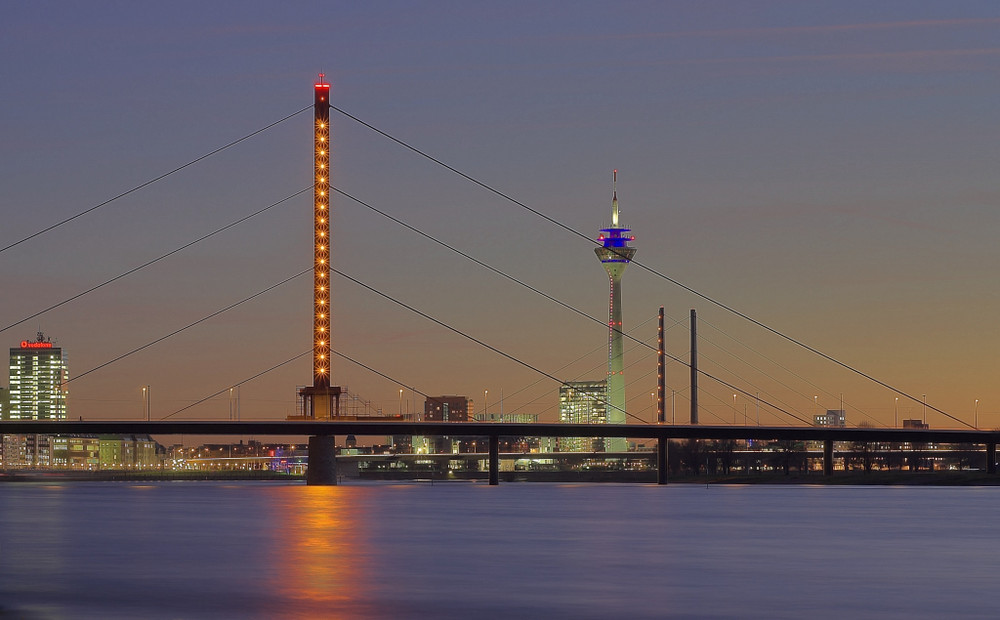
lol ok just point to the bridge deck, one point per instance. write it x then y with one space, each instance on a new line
492 429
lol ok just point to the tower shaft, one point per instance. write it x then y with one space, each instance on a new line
321 401
321 243
616 353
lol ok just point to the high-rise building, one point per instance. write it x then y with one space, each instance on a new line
615 254
37 381
583 402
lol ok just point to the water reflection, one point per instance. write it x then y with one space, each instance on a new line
191 550
44 528
319 553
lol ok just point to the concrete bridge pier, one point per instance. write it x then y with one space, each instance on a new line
322 461
827 457
494 460
661 460
991 458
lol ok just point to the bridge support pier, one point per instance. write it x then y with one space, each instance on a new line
991 458
322 461
827 457
661 460
494 460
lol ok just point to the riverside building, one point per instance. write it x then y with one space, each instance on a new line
582 402
37 381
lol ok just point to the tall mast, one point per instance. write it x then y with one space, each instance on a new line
321 243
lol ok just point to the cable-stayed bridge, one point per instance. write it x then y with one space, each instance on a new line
323 396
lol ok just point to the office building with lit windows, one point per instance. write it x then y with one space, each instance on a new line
37 381
443 409
447 409
832 417
582 402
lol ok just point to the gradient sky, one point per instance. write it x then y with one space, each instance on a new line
827 168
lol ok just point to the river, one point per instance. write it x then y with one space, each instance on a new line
468 550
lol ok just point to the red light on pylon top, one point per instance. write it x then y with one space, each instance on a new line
321 83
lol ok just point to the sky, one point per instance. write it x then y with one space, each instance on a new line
827 168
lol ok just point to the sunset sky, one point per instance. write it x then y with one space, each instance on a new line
827 168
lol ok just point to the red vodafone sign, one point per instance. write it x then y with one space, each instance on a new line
35 345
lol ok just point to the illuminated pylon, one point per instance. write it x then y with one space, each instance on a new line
615 255
321 243
321 401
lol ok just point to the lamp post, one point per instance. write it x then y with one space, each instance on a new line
401 402
486 406
977 414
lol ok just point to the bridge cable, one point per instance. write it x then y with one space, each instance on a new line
776 363
155 260
247 380
151 181
579 359
292 359
651 270
465 335
535 290
381 374
190 325
786 369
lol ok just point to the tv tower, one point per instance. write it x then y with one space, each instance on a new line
615 255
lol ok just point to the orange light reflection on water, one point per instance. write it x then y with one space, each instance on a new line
319 559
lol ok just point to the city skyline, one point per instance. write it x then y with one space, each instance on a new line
826 172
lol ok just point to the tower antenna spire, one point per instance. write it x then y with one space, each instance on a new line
614 199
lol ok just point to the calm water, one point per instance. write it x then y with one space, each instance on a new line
462 550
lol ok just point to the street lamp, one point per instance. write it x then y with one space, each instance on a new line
400 402
977 414
486 406
895 415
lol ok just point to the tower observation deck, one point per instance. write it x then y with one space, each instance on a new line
615 254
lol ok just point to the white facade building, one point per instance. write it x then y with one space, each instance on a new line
37 381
